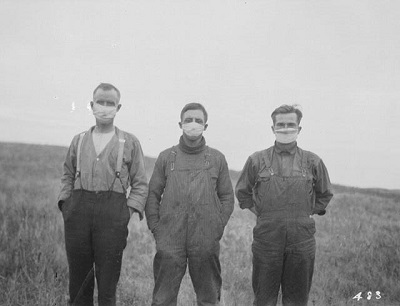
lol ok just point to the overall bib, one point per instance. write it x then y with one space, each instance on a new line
96 228
284 244
188 232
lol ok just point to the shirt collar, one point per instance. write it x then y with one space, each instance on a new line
289 148
192 150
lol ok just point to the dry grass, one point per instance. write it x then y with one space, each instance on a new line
358 246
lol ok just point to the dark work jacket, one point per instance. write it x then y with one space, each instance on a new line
197 192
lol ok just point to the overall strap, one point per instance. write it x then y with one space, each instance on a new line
303 163
207 157
172 159
267 158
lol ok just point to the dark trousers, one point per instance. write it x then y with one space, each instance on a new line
291 267
95 236
204 270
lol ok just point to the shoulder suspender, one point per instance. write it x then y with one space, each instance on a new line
303 163
78 155
172 159
267 158
119 159
121 140
120 153
207 157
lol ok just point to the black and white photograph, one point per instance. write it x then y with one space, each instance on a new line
184 152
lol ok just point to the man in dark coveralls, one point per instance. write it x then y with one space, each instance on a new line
190 201
284 186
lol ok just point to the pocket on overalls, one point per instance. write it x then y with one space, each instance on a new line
216 206
219 216
213 177
306 228
269 230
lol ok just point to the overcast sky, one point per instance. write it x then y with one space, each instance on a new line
241 59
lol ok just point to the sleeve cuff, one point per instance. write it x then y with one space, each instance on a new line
60 204
320 212
247 204
136 209
140 214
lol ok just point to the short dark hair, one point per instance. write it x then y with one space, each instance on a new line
194 106
287 109
106 87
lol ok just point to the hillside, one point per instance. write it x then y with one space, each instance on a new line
358 245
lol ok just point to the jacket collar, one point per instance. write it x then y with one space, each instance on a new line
289 148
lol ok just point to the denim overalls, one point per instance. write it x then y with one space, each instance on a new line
188 231
284 243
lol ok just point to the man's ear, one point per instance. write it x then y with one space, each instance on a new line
91 104
180 124
205 126
273 130
118 107
299 129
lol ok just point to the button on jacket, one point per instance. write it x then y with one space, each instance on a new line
98 171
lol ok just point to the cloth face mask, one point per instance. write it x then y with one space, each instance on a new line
286 135
193 129
105 114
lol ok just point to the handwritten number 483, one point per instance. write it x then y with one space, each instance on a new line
369 295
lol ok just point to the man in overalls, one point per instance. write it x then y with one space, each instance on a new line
190 201
100 166
284 186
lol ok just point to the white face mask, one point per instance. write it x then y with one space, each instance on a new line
104 114
193 129
287 135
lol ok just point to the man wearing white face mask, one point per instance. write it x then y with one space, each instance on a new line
190 201
284 186
101 165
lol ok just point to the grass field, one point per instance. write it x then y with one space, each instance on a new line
358 243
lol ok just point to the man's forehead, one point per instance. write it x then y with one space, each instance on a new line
194 113
105 94
290 117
